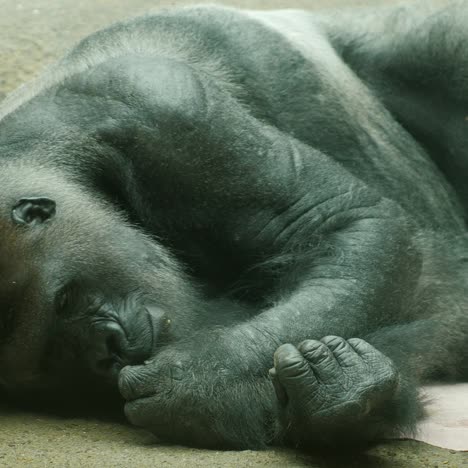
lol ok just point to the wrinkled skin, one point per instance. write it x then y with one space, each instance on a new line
250 226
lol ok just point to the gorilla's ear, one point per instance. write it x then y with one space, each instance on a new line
33 210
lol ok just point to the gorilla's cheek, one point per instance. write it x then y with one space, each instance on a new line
25 339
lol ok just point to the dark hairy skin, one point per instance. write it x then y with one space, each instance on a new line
251 226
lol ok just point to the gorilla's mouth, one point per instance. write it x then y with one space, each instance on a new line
118 341
110 350
107 334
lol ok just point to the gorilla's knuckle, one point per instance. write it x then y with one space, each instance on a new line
389 375
140 381
177 372
309 345
292 366
284 351
335 342
356 342
129 383
315 351
361 346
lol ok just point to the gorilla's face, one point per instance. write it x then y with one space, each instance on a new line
82 292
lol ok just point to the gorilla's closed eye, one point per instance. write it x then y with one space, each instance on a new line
66 298
33 210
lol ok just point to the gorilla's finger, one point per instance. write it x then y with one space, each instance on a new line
343 352
293 371
146 380
141 412
279 389
137 382
365 350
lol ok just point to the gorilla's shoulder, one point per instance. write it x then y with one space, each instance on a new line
195 36
222 43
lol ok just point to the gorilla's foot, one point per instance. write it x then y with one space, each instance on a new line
329 388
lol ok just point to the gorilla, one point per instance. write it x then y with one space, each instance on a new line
250 226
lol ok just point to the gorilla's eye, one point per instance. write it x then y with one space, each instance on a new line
62 300
33 210
68 298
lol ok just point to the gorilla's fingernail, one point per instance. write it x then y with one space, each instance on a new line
177 373
283 351
279 389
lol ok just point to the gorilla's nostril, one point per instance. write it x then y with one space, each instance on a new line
113 344
106 354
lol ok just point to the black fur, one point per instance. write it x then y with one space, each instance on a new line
186 192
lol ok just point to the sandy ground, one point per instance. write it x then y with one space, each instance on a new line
40 441
32 34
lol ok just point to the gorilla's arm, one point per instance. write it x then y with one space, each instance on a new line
414 58
348 266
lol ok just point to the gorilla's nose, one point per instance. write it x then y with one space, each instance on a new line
106 352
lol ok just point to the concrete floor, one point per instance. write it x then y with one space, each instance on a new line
32 34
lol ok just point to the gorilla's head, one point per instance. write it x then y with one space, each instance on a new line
82 291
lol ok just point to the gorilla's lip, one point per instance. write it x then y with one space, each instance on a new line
61 299
132 355
156 322
139 327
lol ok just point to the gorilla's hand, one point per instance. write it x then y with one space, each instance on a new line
334 391
204 394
